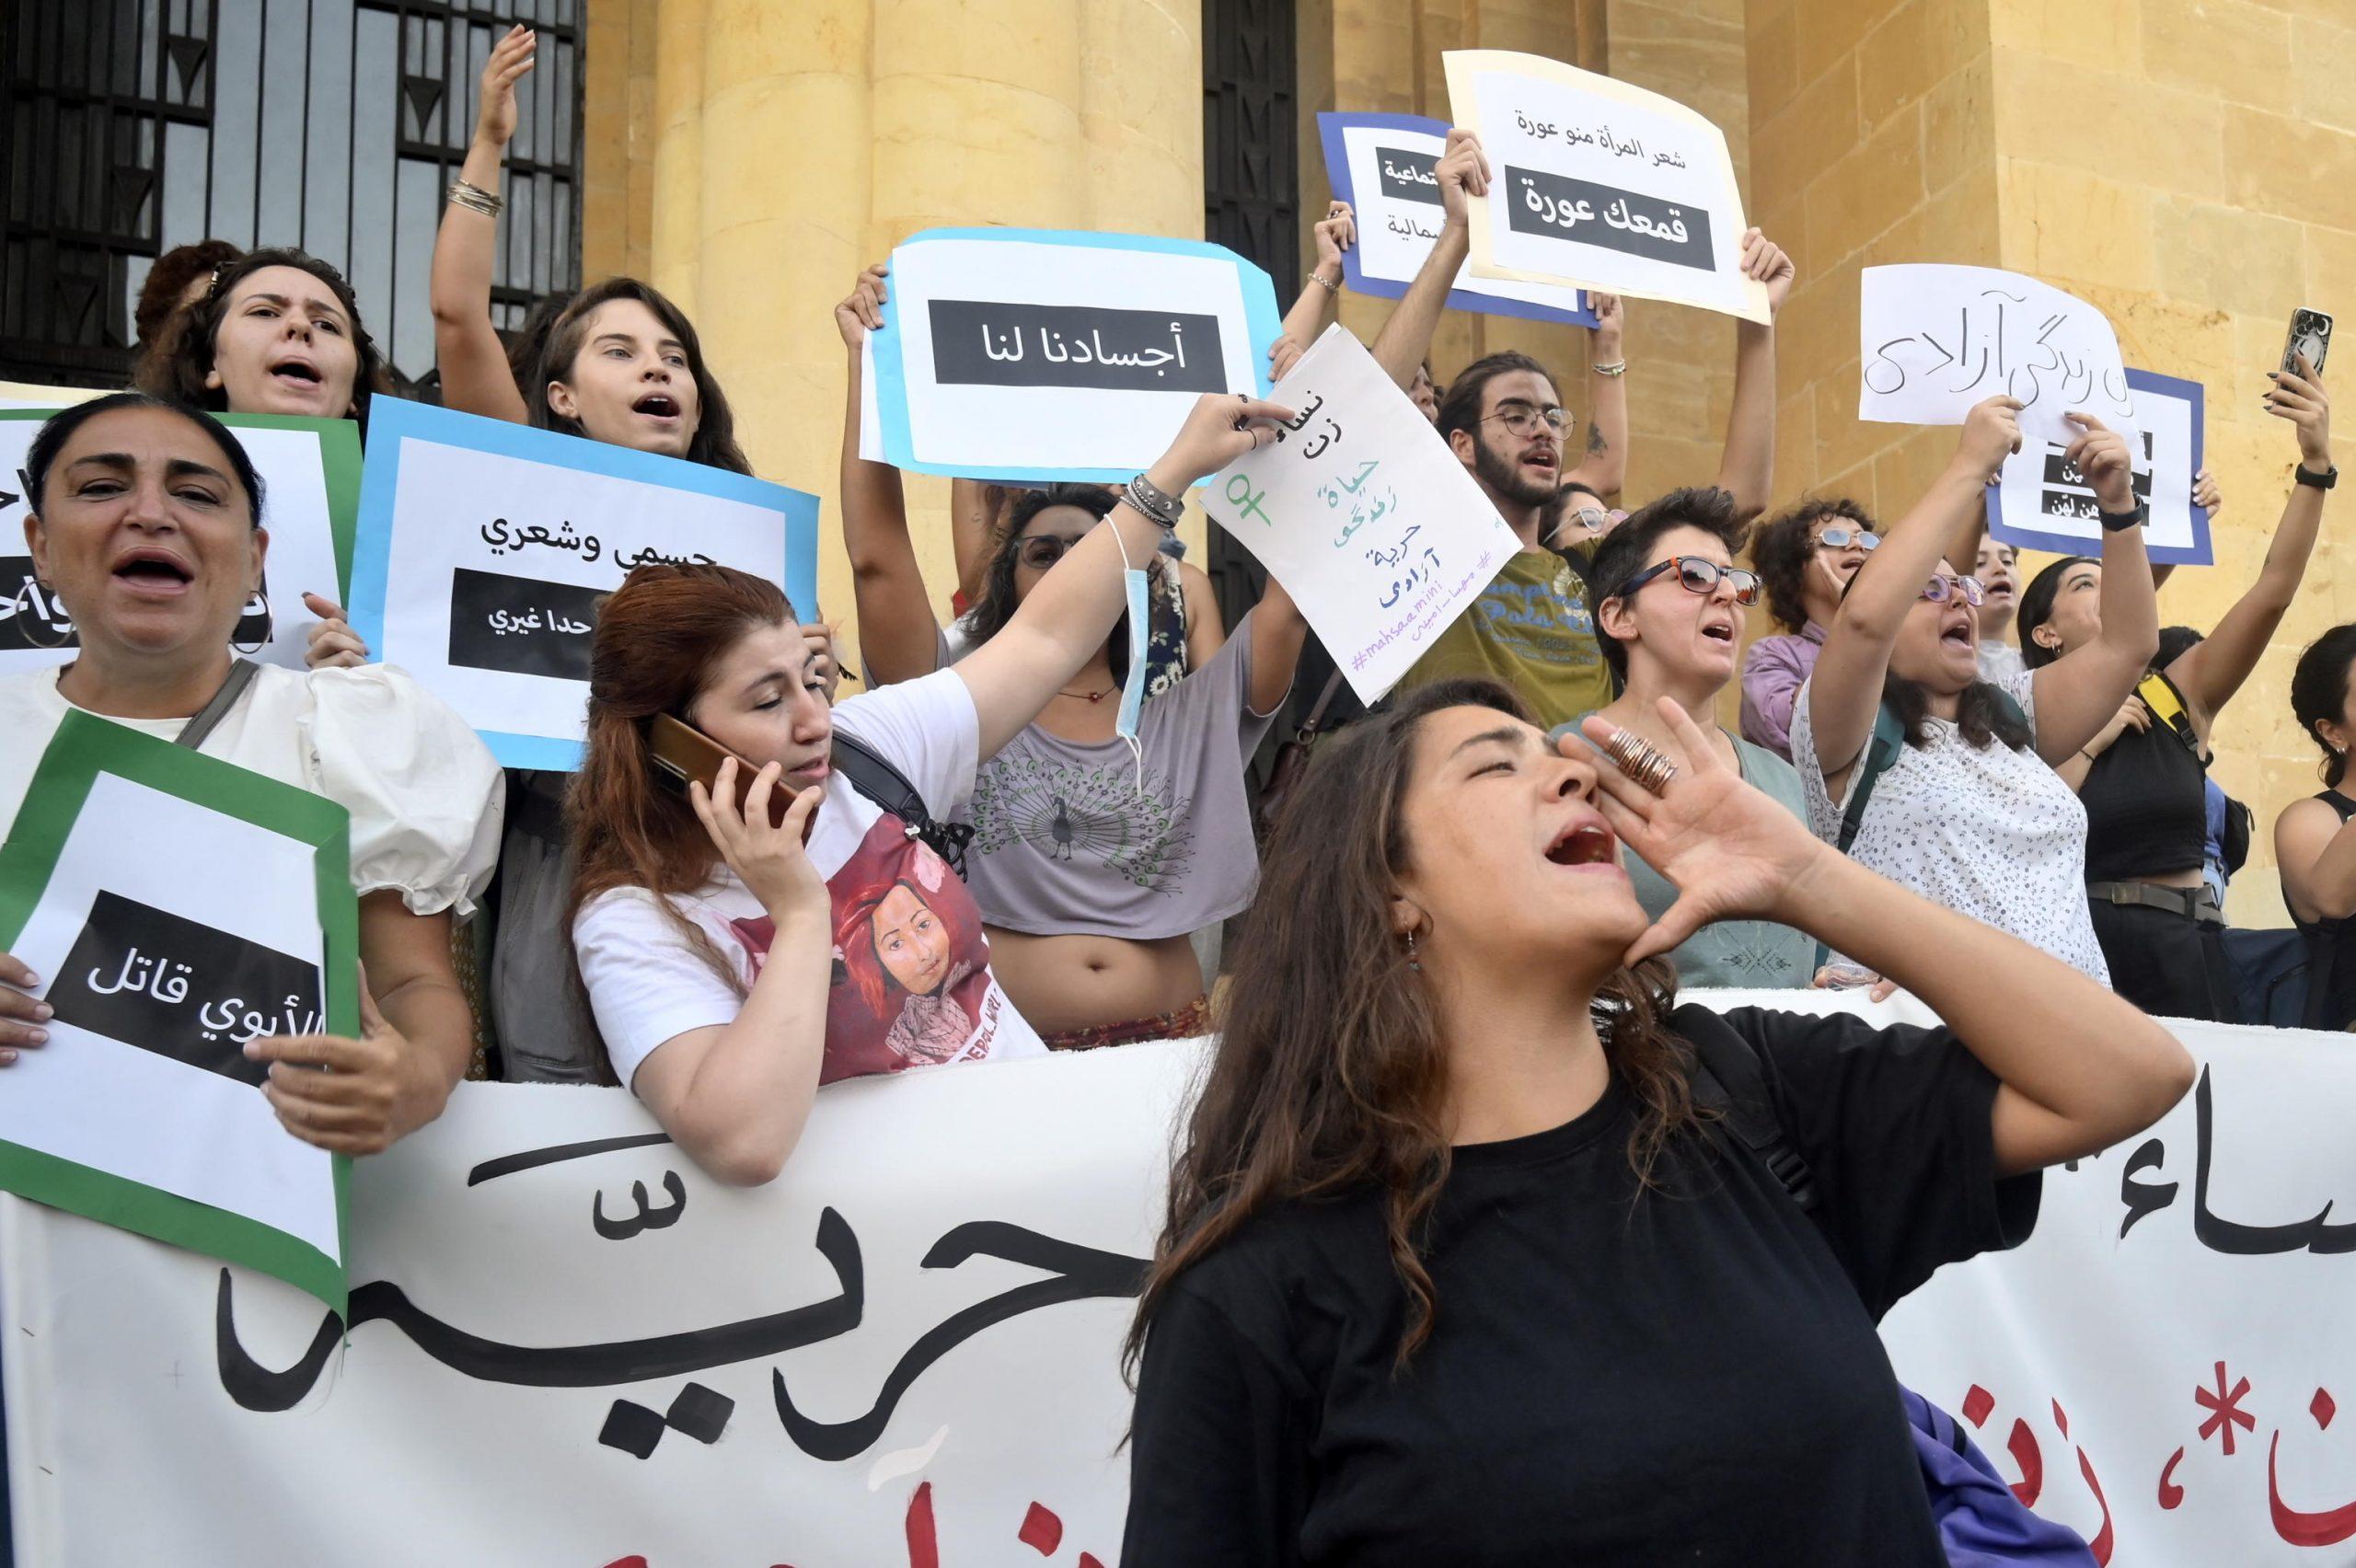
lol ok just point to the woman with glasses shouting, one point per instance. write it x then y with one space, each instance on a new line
1669 616
1942 781
1805 558
1094 857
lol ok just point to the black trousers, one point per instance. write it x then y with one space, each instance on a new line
2170 965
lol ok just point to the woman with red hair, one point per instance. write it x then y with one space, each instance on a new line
734 961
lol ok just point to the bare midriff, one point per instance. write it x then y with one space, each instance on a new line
1085 982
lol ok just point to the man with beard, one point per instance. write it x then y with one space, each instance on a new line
1533 626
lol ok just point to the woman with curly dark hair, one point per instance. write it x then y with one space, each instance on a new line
1805 558
1452 1269
277 332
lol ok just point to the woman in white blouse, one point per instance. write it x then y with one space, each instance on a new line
146 526
1968 811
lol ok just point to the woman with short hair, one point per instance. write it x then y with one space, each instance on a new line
1805 558
147 526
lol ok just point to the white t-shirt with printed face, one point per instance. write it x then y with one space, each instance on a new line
911 984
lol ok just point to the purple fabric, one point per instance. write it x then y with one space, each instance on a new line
1773 670
1982 1524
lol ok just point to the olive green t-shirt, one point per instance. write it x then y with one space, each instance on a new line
1531 628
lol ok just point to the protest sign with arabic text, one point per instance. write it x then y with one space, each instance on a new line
177 907
1360 510
1596 184
310 475
1383 166
484 548
1047 355
2042 503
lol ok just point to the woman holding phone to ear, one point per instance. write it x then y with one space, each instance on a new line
730 968
1452 1271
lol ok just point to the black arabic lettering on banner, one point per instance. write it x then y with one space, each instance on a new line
150 979
1409 177
985 344
2144 1197
1076 1273
32 620
523 626
1559 207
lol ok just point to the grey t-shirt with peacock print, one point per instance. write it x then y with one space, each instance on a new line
1066 842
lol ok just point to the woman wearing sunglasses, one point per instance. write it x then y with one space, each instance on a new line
1942 781
1092 865
1805 558
1668 616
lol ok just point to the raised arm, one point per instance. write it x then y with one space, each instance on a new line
1064 619
976 509
1746 469
1205 628
1605 468
2210 672
1845 691
2077 1067
2079 692
898 639
1305 322
1406 339
1277 633
466 350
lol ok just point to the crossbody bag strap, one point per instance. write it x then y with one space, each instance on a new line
208 717
1324 700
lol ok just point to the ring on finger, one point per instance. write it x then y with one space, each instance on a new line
1644 763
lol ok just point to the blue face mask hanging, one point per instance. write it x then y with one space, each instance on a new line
1134 580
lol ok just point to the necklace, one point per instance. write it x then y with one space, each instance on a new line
1091 695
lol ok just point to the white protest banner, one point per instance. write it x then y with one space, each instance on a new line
175 906
1364 514
2042 503
310 476
1036 355
1934 340
1596 184
907 1349
1382 166
484 548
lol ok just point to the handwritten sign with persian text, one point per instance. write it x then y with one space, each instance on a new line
1361 511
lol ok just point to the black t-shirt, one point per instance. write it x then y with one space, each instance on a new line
1618 1373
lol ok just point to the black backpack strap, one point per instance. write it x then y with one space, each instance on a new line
1729 1079
880 782
1889 739
208 717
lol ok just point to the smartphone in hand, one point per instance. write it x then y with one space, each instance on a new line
2310 335
683 754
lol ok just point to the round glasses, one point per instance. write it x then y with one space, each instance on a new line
1841 538
1041 551
1939 589
1696 575
1520 419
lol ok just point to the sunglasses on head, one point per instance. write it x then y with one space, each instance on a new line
1696 575
1841 538
1939 589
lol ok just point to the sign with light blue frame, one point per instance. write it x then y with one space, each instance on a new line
1382 165
483 551
1044 354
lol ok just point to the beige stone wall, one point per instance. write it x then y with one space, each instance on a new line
2189 166
748 156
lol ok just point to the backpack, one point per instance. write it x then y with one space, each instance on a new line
1981 1522
1881 751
